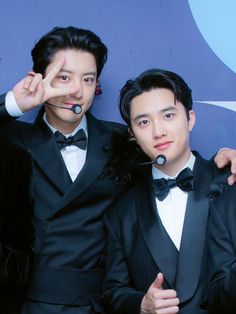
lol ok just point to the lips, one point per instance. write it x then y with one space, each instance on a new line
163 146
70 104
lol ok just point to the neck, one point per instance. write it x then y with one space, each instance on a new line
62 126
173 168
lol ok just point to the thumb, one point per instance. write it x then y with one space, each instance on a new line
158 281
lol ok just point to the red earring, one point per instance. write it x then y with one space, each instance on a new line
98 90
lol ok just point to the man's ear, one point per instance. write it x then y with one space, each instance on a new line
192 119
131 135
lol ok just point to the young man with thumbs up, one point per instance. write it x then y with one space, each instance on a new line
156 248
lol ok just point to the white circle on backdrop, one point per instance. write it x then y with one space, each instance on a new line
216 20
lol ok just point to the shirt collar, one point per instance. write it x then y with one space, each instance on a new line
157 174
82 125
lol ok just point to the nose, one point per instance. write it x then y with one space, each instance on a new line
158 130
77 90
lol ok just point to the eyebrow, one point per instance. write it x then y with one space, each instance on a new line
144 115
86 73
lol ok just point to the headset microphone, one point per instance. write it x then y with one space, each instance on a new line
76 108
160 161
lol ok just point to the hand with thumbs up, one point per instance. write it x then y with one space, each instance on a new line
158 300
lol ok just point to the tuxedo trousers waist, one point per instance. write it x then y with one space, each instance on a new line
67 286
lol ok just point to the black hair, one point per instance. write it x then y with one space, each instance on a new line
67 38
151 79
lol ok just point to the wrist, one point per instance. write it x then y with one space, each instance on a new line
11 105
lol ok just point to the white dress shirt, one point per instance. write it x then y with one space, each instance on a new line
172 209
73 156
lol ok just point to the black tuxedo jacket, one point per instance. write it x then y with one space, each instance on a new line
139 248
70 234
16 228
222 253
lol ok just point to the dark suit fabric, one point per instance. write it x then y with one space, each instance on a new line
222 252
139 248
70 235
16 227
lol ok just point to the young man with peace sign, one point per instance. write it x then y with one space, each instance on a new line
70 148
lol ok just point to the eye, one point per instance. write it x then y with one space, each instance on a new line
143 123
169 116
64 78
89 80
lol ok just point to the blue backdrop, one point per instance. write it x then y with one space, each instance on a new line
194 38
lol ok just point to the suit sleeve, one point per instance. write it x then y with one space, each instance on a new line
118 294
16 226
219 182
222 256
5 118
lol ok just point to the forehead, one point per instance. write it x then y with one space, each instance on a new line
78 61
156 99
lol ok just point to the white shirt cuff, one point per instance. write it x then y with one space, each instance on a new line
11 105
220 150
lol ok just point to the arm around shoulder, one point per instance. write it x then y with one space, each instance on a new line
227 157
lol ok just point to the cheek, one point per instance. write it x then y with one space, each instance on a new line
56 100
181 129
88 99
89 93
183 138
142 137
136 133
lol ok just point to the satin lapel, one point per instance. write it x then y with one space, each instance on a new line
194 232
158 241
97 156
40 140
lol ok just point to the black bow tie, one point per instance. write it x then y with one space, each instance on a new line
79 140
184 181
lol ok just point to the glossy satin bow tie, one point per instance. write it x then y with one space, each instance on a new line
184 181
79 140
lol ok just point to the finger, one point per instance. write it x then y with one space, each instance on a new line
232 179
63 91
31 73
233 165
166 304
38 97
221 160
170 302
35 82
158 281
27 81
55 69
226 156
31 80
164 294
168 310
